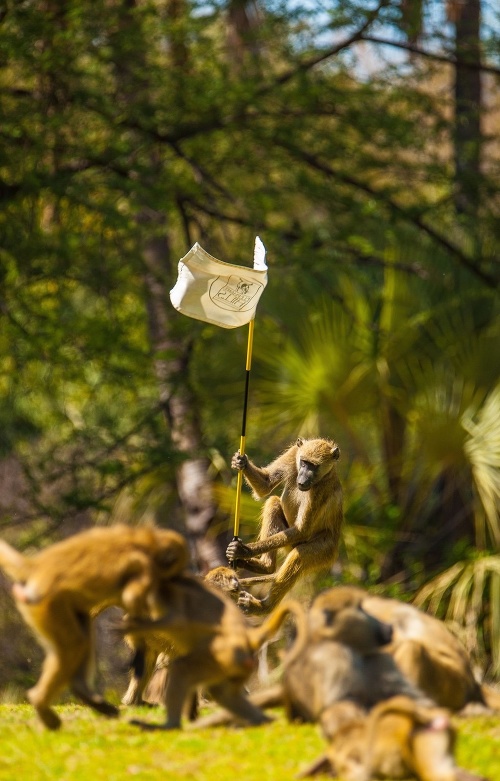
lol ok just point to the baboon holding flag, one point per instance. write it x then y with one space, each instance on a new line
223 294
308 516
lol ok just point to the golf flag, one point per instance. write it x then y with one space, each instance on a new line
217 292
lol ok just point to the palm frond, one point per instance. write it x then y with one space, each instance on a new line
482 447
467 597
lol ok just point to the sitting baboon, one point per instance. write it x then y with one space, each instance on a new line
150 686
306 518
424 649
212 646
59 589
399 738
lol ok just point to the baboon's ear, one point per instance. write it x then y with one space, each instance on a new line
299 442
336 453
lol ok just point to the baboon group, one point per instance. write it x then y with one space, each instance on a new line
381 678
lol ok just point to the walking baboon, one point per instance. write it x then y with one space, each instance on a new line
212 646
307 517
399 738
425 650
149 687
59 589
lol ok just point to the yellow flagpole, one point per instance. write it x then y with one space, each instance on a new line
243 429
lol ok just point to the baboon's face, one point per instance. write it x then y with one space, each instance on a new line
315 459
359 630
224 578
338 615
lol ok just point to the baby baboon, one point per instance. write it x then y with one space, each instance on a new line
399 738
307 517
149 687
212 646
424 649
59 589
226 579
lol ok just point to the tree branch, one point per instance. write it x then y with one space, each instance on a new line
400 211
448 59
313 61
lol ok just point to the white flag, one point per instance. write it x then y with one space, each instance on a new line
217 292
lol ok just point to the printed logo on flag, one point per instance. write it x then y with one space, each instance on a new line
234 293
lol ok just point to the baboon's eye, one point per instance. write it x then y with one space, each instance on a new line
329 617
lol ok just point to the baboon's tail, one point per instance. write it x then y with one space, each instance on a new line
260 634
13 563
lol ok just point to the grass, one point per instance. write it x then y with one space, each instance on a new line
91 747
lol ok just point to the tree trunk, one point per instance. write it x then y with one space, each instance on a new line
171 355
171 350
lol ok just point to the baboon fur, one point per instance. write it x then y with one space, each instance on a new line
212 646
425 650
307 517
150 687
59 589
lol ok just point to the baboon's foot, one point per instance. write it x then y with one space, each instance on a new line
147 727
106 708
49 717
140 703
133 698
96 702
250 604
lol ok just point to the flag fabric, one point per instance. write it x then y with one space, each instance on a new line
216 292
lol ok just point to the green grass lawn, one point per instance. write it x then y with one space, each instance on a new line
92 747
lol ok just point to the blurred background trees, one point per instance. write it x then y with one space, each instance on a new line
361 142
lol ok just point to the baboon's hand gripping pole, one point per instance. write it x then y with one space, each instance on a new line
239 482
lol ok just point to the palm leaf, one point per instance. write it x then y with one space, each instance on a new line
467 596
482 447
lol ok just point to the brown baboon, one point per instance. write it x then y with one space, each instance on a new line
399 738
344 659
424 649
307 517
212 644
149 687
226 579
59 589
